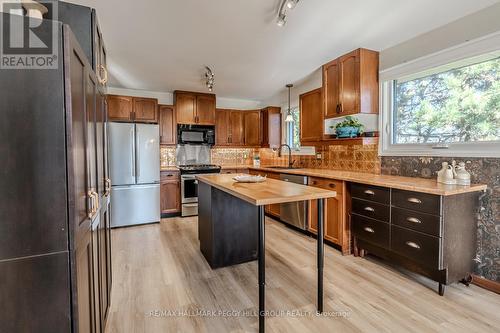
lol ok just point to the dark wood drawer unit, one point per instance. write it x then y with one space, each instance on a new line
417 246
371 209
422 202
371 230
372 193
428 234
426 223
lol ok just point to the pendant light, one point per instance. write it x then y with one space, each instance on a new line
289 117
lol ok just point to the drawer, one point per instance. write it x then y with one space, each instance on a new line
371 209
426 223
372 193
418 247
327 184
371 231
169 175
422 202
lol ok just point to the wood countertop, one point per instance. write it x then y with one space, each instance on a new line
422 185
271 191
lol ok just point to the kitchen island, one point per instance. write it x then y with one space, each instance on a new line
231 223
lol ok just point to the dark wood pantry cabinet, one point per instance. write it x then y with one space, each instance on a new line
55 250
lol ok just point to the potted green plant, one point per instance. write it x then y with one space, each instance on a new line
349 128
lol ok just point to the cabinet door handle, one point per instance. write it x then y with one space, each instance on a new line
90 196
413 220
368 229
369 192
337 110
369 209
331 185
414 200
413 245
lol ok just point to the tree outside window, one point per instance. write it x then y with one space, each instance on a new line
293 130
452 106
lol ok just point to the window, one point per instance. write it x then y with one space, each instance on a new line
449 110
293 130
456 105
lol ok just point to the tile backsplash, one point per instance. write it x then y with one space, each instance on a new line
335 157
362 158
221 156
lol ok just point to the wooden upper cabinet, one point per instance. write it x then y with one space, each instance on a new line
331 88
145 110
271 127
252 128
132 109
168 125
120 108
237 130
185 108
205 109
350 84
195 108
222 127
311 116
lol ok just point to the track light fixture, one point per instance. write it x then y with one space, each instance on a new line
210 78
284 7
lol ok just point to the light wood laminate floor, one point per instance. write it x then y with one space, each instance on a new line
158 270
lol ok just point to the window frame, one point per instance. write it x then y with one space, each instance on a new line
480 49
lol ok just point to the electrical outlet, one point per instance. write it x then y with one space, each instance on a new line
319 156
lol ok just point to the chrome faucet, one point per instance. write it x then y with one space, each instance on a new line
290 162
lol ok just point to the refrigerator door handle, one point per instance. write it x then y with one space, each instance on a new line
137 153
132 148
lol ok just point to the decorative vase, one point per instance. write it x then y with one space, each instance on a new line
347 132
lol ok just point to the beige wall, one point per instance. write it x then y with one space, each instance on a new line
482 23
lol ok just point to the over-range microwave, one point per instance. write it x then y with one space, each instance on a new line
195 135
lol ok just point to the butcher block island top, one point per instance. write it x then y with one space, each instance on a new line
422 185
268 192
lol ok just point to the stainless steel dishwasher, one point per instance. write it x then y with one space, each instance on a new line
294 213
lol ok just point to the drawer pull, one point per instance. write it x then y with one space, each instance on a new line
369 192
368 229
414 200
331 185
369 209
413 220
413 245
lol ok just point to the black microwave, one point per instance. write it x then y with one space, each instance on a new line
195 135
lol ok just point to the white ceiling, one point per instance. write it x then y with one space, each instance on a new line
163 45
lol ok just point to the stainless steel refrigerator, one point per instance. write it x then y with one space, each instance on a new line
135 173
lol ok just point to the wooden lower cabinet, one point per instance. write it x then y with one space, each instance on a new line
336 228
170 192
273 210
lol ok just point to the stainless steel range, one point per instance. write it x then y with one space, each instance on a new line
189 185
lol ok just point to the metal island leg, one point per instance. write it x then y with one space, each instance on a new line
262 270
320 254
